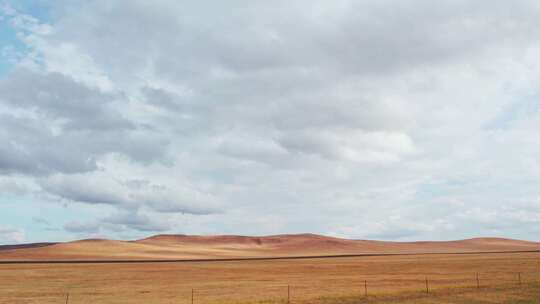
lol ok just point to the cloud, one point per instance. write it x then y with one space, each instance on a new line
118 222
408 117
41 221
129 194
80 227
52 124
139 222
351 145
394 228
10 234
12 186
55 97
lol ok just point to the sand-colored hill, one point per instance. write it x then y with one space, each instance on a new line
232 246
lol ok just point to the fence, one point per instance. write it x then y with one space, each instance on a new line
374 285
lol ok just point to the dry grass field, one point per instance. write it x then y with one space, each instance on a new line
390 279
166 247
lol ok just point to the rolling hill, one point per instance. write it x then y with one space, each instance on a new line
174 247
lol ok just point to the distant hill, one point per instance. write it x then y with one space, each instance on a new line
29 245
164 247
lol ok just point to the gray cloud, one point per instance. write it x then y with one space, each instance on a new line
56 97
54 124
81 227
130 194
360 37
32 147
118 222
137 222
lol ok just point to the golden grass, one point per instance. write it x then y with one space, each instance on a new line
391 279
166 247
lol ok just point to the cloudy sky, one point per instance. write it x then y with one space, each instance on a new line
394 120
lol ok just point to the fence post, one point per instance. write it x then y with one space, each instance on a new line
288 294
67 298
427 286
365 288
519 278
192 295
477 281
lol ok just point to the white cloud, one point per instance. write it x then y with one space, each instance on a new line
417 120
9 234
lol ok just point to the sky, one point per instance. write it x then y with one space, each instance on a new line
390 120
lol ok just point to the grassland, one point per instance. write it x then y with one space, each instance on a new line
170 247
390 279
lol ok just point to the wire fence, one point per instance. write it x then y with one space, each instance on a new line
365 287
